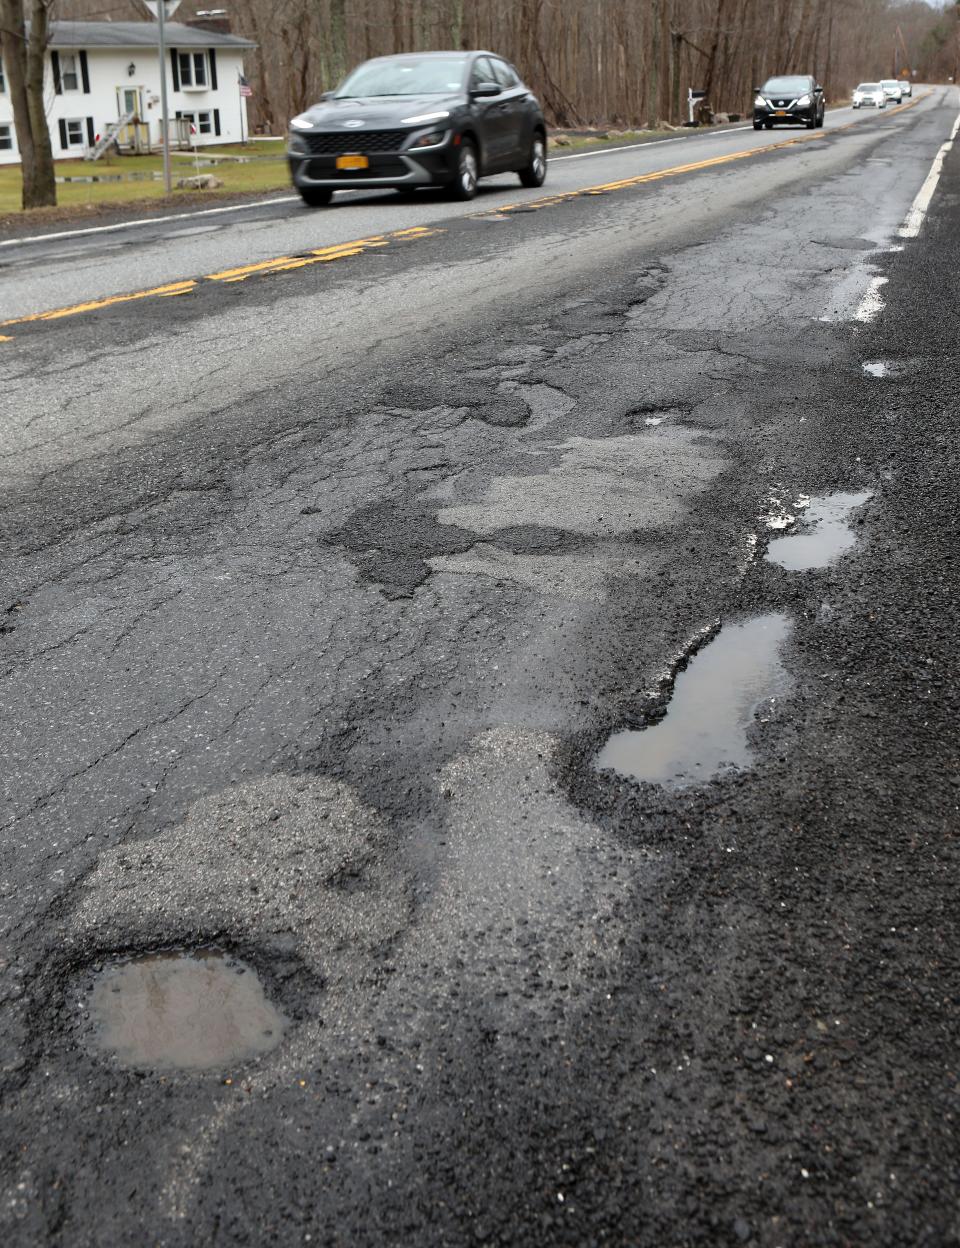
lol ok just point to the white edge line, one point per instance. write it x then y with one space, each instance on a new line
921 204
127 225
872 303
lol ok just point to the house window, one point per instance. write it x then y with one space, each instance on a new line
74 132
69 71
203 121
6 138
193 69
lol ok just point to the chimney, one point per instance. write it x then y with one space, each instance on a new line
216 20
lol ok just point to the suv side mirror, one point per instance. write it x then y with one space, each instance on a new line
326 95
484 90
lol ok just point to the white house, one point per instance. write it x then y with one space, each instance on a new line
99 72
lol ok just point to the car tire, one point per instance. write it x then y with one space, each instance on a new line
812 123
534 172
464 185
768 125
758 125
315 196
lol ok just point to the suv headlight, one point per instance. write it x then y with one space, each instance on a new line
759 102
432 139
803 101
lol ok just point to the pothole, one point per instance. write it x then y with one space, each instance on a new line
178 1009
716 701
829 536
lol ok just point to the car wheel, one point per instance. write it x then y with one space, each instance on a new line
811 124
315 196
768 125
534 172
758 125
464 185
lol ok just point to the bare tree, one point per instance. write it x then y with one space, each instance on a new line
23 48
591 62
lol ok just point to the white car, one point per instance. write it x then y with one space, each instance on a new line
869 95
892 89
907 88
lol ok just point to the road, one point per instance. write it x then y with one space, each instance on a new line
327 573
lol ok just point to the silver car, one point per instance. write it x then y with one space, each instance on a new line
892 89
869 95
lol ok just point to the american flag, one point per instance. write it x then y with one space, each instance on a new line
245 89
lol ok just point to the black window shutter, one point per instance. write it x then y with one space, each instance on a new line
84 73
63 133
176 69
216 121
55 62
213 68
90 133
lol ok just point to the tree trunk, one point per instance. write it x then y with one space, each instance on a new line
23 60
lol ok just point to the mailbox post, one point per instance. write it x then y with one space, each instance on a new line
693 99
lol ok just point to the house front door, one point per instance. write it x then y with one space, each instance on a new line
128 100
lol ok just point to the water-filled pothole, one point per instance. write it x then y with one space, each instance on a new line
716 700
198 1009
829 536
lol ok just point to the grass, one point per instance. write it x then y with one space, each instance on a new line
266 171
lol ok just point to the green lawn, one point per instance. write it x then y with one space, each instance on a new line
267 171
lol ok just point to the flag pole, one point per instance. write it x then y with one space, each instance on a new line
240 98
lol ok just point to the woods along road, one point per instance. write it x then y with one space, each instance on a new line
504 653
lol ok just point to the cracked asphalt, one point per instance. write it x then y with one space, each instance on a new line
319 594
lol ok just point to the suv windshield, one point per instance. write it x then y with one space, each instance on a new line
889 82
869 86
436 75
786 86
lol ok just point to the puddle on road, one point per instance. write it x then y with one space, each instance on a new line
830 536
890 368
182 1010
716 700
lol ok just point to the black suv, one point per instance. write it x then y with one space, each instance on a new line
790 100
424 119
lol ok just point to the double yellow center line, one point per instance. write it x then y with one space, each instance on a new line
279 264
674 171
341 251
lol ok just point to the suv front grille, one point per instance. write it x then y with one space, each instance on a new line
334 143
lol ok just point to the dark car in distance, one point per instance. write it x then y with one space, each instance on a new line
423 119
790 100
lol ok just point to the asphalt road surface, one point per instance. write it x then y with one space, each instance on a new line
326 572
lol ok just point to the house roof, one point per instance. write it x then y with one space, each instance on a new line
138 35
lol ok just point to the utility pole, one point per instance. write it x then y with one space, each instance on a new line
164 107
161 10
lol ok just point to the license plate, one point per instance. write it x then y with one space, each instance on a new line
781 112
353 162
